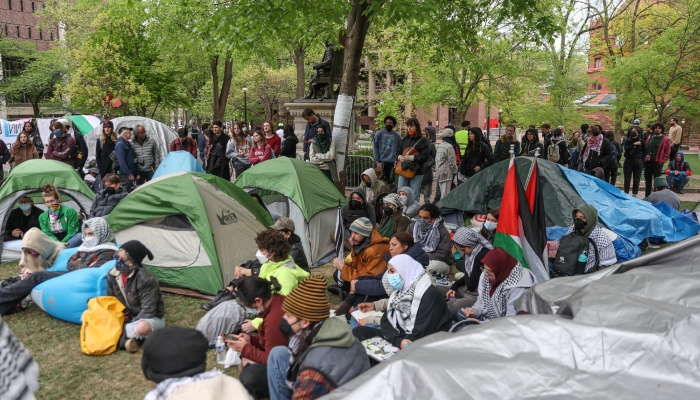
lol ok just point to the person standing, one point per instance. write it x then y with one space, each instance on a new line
502 149
417 145
477 155
22 150
635 149
611 168
657 153
289 142
322 153
280 130
462 137
596 152
61 147
202 144
34 137
427 184
384 146
445 163
217 164
312 123
558 154
147 154
105 147
81 149
675 134
260 151
128 173
531 143
432 133
272 138
238 149
546 131
183 142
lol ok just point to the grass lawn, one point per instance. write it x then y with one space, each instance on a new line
66 373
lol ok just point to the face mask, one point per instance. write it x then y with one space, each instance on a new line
458 254
356 204
490 226
395 281
57 132
387 211
286 329
252 311
90 241
122 266
110 190
404 199
368 184
412 131
579 223
388 127
261 257
25 206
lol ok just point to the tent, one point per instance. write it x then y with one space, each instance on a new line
565 189
198 227
162 133
627 332
178 161
298 190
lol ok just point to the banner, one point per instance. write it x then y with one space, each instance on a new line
9 130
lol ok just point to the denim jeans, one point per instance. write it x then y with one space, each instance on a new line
415 184
677 181
277 366
75 241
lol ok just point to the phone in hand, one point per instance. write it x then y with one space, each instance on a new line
228 336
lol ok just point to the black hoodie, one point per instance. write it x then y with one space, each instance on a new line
477 154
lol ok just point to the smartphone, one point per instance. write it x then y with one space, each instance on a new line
230 337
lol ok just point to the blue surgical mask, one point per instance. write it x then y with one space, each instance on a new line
491 226
57 132
252 311
395 281
458 254
25 206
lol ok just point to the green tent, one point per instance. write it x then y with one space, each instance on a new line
198 227
484 190
298 190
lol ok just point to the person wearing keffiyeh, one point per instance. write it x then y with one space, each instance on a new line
503 282
415 308
430 232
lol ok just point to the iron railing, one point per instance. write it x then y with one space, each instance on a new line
357 165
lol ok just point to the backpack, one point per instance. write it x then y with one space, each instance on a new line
102 326
567 262
553 151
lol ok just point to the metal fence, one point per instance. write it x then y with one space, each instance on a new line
357 165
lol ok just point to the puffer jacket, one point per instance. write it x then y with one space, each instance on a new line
367 258
146 153
373 286
104 203
297 252
143 299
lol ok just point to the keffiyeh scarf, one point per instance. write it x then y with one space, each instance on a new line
496 306
470 238
594 143
427 234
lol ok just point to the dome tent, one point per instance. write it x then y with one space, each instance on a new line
298 190
30 177
198 227
162 133
177 161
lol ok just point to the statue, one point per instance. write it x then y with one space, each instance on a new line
328 72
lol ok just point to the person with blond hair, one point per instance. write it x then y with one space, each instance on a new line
60 223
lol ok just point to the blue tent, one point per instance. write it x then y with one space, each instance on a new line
178 161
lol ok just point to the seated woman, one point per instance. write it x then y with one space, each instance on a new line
139 292
503 282
262 298
586 223
60 223
415 308
21 219
408 200
98 248
488 231
394 220
474 248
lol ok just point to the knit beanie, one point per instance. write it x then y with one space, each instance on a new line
137 251
363 226
447 132
174 352
308 301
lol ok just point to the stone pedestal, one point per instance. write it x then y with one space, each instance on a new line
324 109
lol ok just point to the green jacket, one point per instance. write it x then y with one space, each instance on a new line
287 273
70 221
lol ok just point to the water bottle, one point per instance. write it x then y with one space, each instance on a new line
220 350
583 257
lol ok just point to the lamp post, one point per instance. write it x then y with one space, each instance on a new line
500 111
245 105
685 130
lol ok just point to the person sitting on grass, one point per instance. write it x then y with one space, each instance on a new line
261 298
60 223
415 308
430 232
109 197
488 230
394 220
176 359
586 222
21 220
409 201
98 248
136 288
326 354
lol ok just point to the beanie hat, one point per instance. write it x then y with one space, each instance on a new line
137 251
109 124
308 301
447 132
66 122
174 352
363 226
283 223
660 181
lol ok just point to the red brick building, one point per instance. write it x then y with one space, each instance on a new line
17 21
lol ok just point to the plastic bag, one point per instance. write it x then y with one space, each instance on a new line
102 326
232 358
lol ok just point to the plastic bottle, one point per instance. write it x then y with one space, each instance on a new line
220 350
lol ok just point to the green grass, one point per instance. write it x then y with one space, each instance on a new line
66 373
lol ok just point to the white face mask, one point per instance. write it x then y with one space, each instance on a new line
90 241
491 226
261 257
404 199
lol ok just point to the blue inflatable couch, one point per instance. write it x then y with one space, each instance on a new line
65 297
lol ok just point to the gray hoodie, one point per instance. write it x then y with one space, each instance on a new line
412 206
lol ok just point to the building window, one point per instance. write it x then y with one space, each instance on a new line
598 62
6 34
32 6
21 5
9 4
41 34
29 32
599 86
52 34
18 32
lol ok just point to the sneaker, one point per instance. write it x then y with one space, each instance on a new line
681 191
132 345
459 275
223 295
10 281
334 289
441 279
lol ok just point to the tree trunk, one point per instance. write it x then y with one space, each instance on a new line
35 107
220 97
299 54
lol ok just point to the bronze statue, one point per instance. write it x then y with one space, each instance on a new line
323 69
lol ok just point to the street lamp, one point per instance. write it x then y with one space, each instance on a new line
245 105
500 111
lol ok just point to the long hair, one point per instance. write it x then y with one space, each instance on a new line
262 142
240 138
252 287
112 136
289 131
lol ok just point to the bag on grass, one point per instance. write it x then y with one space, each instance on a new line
102 326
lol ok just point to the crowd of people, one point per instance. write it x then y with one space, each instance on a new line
402 263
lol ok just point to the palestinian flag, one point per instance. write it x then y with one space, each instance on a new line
521 225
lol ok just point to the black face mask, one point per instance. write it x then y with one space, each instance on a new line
368 184
387 211
579 224
286 329
356 204
388 127
110 190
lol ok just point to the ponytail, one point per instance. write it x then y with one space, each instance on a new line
275 286
51 190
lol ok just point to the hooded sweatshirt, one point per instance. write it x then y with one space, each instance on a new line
412 206
606 250
47 248
477 154
335 353
376 185
350 214
681 166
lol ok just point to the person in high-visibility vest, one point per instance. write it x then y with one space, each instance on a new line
462 137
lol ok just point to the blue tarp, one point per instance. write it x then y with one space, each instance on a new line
178 161
629 217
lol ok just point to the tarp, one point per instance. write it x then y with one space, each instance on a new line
161 132
178 161
628 335
628 216
485 189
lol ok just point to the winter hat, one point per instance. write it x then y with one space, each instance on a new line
393 198
66 122
283 223
137 251
363 226
447 132
660 181
174 352
108 124
308 301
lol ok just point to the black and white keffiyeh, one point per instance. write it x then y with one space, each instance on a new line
468 237
496 306
19 373
606 250
427 234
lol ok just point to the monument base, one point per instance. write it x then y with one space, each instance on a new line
325 109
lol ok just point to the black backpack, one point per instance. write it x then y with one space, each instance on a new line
571 246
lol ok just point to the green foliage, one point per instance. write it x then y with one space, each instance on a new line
268 90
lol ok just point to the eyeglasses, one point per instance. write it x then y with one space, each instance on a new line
486 271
